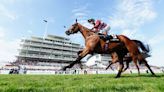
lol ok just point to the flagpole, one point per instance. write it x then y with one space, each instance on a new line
46 29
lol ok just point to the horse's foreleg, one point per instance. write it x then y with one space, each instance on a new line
114 57
79 52
121 66
72 63
80 64
80 56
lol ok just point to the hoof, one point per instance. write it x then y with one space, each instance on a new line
117 77
64 68
154 75
81 68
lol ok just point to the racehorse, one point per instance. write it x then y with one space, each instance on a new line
127 59
93 44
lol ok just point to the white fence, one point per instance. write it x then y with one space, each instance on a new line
80 71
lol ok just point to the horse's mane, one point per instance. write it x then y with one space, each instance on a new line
87 29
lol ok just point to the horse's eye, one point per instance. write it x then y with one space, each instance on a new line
73 27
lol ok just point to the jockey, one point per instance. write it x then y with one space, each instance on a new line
100 26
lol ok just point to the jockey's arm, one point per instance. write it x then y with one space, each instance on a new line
97 24
94 30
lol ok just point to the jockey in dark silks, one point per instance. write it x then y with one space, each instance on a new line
101 28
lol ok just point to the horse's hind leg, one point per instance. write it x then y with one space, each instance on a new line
127 66
135 62
110 63
149 67
146 64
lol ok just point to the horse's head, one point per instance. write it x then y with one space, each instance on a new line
73 29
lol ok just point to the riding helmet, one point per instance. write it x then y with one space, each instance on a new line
90 20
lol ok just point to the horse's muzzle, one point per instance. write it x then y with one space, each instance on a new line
67 32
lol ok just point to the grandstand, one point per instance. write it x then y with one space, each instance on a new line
49 51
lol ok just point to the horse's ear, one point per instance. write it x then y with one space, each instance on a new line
76 20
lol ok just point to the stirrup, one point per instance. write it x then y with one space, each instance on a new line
114 36
107 42
106 46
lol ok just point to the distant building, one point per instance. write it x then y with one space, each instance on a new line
98 60
52 48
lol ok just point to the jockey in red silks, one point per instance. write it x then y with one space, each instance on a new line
100 26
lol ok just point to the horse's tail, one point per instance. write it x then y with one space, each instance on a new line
125 40
142 46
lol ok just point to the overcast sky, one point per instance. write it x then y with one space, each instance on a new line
137 19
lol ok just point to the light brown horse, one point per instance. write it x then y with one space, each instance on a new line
93 44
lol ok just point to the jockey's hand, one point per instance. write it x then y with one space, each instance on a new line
94 30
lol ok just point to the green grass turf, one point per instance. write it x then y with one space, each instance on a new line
81 83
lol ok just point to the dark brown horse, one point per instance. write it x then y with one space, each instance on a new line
134 52
93 44
127 59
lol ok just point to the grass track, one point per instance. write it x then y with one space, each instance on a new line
81 83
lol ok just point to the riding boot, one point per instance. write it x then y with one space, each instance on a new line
102 37
108 37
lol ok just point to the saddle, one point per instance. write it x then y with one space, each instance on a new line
110 38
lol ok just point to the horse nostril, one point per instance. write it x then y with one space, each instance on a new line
67 32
